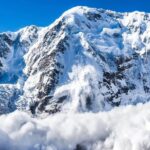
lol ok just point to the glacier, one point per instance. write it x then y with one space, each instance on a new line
82 83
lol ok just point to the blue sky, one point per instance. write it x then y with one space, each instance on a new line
15 14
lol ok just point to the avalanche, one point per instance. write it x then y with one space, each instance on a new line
123 128
82 83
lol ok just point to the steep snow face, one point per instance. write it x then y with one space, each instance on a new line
87 60
13 47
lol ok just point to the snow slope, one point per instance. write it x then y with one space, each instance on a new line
13 47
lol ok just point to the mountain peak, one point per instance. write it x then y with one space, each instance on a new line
87 60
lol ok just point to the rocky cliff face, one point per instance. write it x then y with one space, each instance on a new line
87 60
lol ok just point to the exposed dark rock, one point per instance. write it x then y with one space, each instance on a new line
93 16
80 147
33 107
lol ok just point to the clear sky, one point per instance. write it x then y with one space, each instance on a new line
15 14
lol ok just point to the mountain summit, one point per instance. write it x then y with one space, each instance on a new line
87 60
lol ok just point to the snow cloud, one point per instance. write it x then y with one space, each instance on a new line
124 128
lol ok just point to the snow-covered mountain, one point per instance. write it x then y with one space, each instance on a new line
87 60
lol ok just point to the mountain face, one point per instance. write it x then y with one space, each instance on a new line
87 60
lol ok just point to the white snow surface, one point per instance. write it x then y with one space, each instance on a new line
124 128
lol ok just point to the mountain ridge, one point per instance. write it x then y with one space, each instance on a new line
87 60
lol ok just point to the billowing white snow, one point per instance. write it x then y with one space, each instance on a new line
124 128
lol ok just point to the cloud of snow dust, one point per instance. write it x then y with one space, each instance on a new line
124 128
